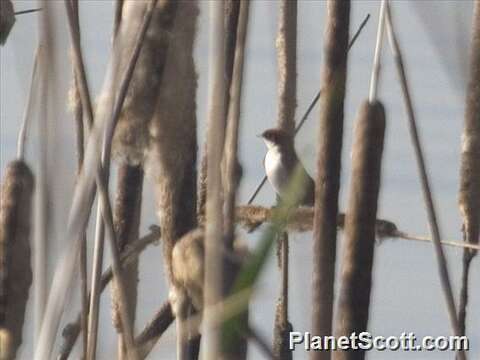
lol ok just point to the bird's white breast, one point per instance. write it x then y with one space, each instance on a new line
276 173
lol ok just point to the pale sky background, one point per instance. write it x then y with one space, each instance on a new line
406 294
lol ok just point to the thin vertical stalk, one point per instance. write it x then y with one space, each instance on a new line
232 168
80 74
232 9
329 151
282 326
78 115
372 96
42 210
214 227
233 122
127 212
127 328
469 192
127 324
118 16
231 22
358 248
87 109
286 44
427 193
27 113
82 203
71 331
81 128
98 250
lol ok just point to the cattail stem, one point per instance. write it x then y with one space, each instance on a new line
286 45
118 16
377 54
427 193
80 129
231 23
232 167
147 339
78 63
358 249
78 114
27 113
81 81
127 220
232 9
82 203
327 184
42 192
211 347
469 194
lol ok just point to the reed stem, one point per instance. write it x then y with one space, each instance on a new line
82 203
27 113
377 54
469 192
427 193
286 44
327 184
211 346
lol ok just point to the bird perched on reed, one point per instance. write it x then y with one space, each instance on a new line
281 162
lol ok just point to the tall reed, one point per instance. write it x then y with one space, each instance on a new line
171 157
442 267
211 346
358 249
329 149
15 264
286 44
469 192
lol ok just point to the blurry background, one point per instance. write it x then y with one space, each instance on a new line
406 296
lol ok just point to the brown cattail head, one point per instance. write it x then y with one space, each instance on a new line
469 195
15 267
7 19
358 249
172 153
131 135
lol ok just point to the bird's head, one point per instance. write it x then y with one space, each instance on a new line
276 137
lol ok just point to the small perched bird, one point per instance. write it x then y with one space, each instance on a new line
281 161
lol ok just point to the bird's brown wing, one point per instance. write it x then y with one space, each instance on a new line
309 197
308 184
